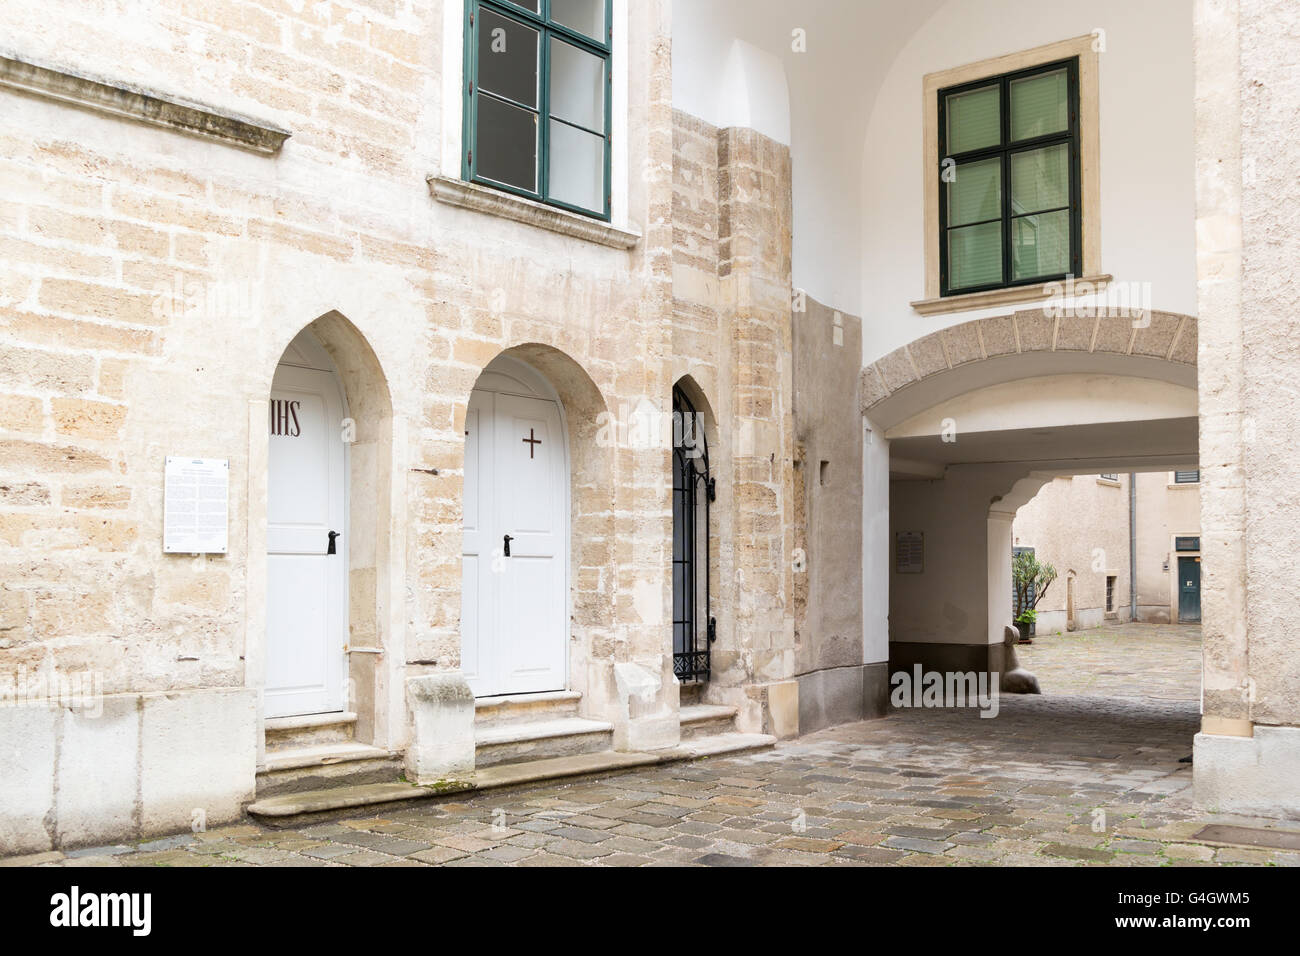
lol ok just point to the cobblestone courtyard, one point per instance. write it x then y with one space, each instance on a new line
1100 749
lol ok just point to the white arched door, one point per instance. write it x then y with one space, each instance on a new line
514 602
306 537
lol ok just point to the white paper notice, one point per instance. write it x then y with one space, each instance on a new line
196 505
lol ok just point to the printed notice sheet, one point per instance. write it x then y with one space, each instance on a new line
196 505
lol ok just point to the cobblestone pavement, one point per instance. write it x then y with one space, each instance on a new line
921 788
1104 662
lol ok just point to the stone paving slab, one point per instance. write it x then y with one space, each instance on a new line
1085 775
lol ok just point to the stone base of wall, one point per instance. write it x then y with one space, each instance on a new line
842 695
1257 775
125 766
960 658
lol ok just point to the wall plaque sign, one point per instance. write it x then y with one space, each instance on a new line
909 552
196 505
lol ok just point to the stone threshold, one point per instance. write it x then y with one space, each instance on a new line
310 806
141 105
309 721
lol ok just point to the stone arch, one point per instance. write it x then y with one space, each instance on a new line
703 405
592 485
376 571
710 604
1025 344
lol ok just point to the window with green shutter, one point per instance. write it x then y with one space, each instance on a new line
1009 206
537 100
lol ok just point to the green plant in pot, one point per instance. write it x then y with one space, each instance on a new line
1031 579
1025 621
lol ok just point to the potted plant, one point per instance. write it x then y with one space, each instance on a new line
1031 579
1025 622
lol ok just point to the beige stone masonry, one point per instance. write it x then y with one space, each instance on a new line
1167 337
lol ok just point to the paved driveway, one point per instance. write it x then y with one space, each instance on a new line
1089 773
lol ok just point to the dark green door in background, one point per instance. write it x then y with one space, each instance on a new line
1189 590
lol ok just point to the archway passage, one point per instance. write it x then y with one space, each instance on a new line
978 437
514 618
307 535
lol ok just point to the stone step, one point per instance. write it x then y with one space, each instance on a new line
526 708
706 720
690 693
316 766
297 809
290 733
717 745
540 739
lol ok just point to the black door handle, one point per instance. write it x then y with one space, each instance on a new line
508 540
331 549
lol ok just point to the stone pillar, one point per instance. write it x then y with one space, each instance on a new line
441 749
754 212
1247 756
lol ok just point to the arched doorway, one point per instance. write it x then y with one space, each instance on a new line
694 627
515 557
307 535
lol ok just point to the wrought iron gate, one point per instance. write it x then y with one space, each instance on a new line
693 492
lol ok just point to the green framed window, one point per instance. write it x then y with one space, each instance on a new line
1009 204
537 100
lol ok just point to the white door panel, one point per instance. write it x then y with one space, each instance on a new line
306 616
514 622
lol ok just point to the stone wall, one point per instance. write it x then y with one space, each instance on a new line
1247 104
732 337
152 281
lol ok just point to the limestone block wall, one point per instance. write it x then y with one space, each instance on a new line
732 336
151 282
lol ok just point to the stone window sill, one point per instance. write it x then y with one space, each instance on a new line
457 192
1109 482
998 297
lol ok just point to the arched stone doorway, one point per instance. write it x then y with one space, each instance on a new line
695 627
515 558
307 535
351 615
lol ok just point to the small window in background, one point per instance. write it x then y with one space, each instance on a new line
1187 477
1009 201
1109 477
1110 592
